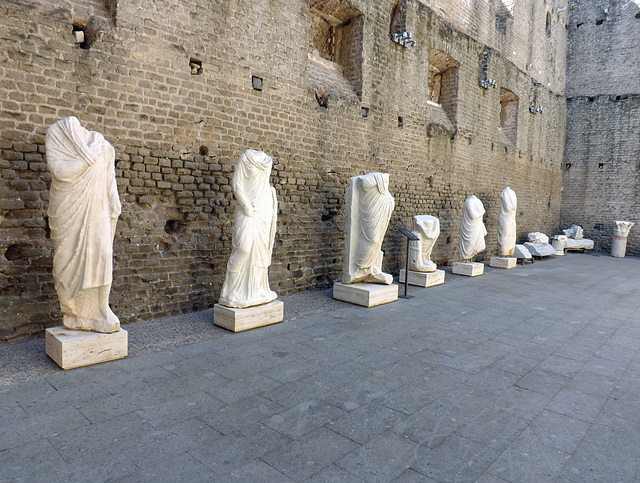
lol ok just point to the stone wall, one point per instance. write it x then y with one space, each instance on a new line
181 88
602 158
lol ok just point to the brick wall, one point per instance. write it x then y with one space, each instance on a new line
602 159
178 130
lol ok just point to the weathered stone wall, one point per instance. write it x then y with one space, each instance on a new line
602 159
171 84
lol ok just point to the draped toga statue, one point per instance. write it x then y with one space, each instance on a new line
83 209
247 280
472 229
369 208
427 229
507 222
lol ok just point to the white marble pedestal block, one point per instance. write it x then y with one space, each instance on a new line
77 348
237 320
471 269
365 294
559 243
503 262
423 279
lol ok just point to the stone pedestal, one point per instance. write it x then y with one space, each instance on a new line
559 243
471 269
237 320
77 348
619 246
503 262
423 279
365 294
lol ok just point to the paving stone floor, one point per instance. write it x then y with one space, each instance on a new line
525 375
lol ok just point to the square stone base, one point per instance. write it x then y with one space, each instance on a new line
237 320
472 269
365 294
503 262
77 348
423 279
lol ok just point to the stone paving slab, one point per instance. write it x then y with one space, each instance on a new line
531 374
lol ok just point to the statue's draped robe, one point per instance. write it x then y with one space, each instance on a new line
247 279
83 210
472 230
507 222
427 229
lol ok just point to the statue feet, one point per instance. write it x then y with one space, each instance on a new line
380 277
106 325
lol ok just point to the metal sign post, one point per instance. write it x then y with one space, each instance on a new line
599 227
410 237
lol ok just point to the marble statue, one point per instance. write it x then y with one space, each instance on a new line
538 237
575 239
507 223
369 208
575 232
246 283
472 229
427 229
83 209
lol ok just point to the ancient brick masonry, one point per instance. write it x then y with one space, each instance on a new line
602 157
181 88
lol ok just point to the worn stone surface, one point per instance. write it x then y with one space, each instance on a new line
173 86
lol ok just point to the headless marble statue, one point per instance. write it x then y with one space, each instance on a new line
246 283
83 209
472 229
507 222
427 229
369 208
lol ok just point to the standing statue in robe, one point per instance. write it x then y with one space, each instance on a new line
472 229
246 283
369 208
427 229
83 210
507 222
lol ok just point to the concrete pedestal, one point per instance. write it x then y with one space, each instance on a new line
77 348
503 262
365 294
237 320
423 279
471 269
619 246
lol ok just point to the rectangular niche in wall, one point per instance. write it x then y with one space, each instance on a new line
335 34
504 15
443 82
508 128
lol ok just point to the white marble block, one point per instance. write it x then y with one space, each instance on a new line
365 294
469 269
237 319
77 348
503 262
423 279
540 249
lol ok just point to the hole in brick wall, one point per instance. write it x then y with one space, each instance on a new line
398 23
600 21
364 111
112 8
567 166
448 239
484 55
162 246
579 24
204 150
443 82
336 34
617 98
328 216
256 83
322 97
14 252
508 127
637 15
548 24
196 66
84 33
504 13
400 122
492 147
47 228
173 227
591 99
600 165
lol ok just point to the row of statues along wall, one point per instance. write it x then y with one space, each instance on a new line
84 206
